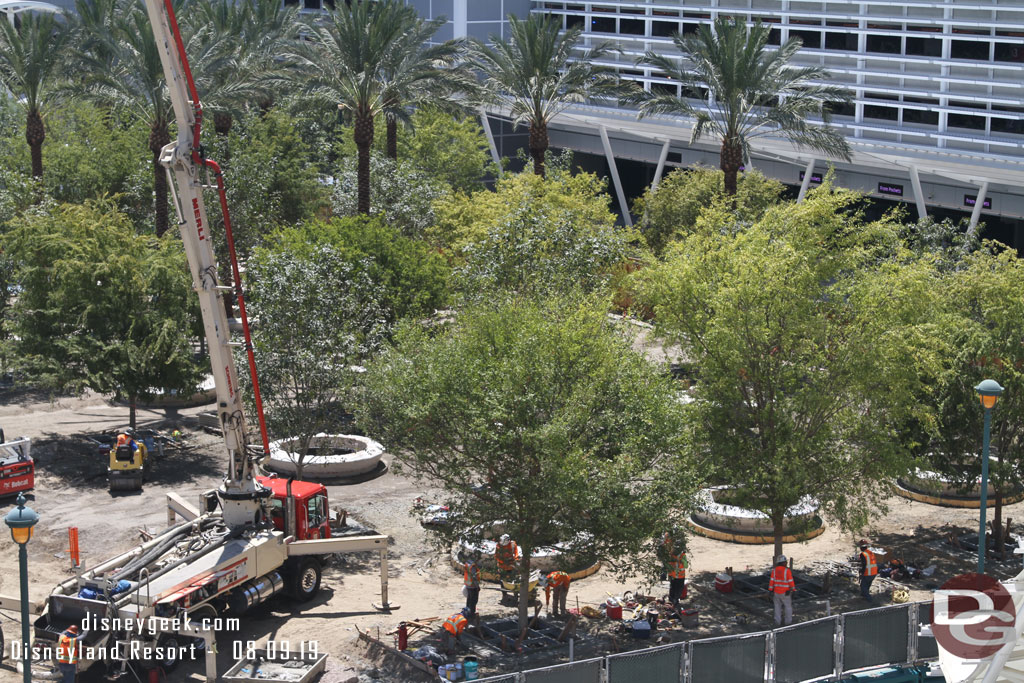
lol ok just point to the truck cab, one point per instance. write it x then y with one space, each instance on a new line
312 514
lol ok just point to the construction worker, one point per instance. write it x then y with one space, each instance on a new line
675 568
471 582
68 652
868 569
782 585
451 631
557 581
506 555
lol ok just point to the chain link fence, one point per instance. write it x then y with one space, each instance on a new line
587 671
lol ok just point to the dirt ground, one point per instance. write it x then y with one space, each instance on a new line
71 491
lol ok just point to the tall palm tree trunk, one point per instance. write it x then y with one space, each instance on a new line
392 138
35 133
732 159
158 137
538 145
363 134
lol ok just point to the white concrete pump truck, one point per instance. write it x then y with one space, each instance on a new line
250 539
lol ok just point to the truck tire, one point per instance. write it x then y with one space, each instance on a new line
304 582
197 615
171 643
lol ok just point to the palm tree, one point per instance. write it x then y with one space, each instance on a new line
30 56
122 68
120 58
417 73
536 75
251 34
344 59
747 92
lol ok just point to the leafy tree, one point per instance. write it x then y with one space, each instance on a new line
347 58
462 219
90 152
402 194
809 331
31 55
539 415
747 91
451 149
671 211
535 252
319 315
982 329
539 71
99 306
270 179
410 278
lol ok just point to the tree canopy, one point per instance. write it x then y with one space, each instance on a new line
808 329
100 306
540 415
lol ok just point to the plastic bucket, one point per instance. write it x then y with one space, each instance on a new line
469 667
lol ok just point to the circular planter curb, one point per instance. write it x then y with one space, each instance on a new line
363 461
754 539
905 490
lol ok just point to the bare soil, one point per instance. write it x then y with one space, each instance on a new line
71 491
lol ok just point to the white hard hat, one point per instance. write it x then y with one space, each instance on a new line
505 538
780 559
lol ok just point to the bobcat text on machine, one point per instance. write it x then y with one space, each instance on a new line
17 469
249 539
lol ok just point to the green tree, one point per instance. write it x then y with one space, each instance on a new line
465 218
120 59
319 316
270 178
402 194
31 57
452 149
75 171
982 330
539 71
539 415
419 73
99 306
537 253
233 50
671 211
746 90
347 59
411 278
809 330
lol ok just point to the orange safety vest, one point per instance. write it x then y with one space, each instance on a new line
556 579
471 575
870 563
782 580
677 566
506 555
67 650
455 624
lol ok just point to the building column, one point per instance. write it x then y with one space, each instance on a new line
459 18
978 203
614 170
806 182
661 165
915 181
490 139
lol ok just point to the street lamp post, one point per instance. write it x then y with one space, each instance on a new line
21 520
989 392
